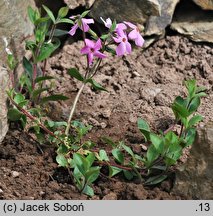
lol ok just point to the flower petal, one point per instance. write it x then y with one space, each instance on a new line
85 27
88 21
85 50
120 31
131 25
89 43
133 35
121 49
139 41
128 47
121 26
99 54
98 44
117 40
73 29
90 58
107 23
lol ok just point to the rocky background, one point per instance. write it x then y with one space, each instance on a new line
192 18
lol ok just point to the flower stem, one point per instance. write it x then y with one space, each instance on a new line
72 110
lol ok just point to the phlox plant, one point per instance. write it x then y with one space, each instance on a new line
81 157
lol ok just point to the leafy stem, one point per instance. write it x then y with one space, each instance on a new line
32 118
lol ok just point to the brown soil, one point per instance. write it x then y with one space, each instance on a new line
143 84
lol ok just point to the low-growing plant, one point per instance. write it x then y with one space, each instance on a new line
166 148
78 155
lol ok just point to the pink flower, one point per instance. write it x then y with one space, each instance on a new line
107 23
124 45
135 34
83 26
92 49
120 26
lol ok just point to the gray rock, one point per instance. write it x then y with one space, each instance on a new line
205 4
156 24
4 83
125 10
194 23
195 178
72 4
14 28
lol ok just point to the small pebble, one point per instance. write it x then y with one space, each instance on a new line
15 174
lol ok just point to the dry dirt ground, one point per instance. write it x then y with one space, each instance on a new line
143 84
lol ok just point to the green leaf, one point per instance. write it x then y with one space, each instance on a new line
58 33
128 150
31 45
47 49
103 155
113 27
109 141
184 121
93 34
40 35
81 162
104 36
85 13
118 155
191 87
61 160
31 14
95 85
90 158
63 12
173 154
179 108
194 120
28 67
171 137
23 103
92 174
41 20
157 142
35 112
54 124
128 175
53 98
88 191
155 179
110 50
50 14
37 92
73 72
194 104
43 78
65 20
23 120
14 114
11 61
152 154
113 171
201 94
19 98
144 128
190 137
63 149
200 89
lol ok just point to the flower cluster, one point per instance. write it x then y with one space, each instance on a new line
121 34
